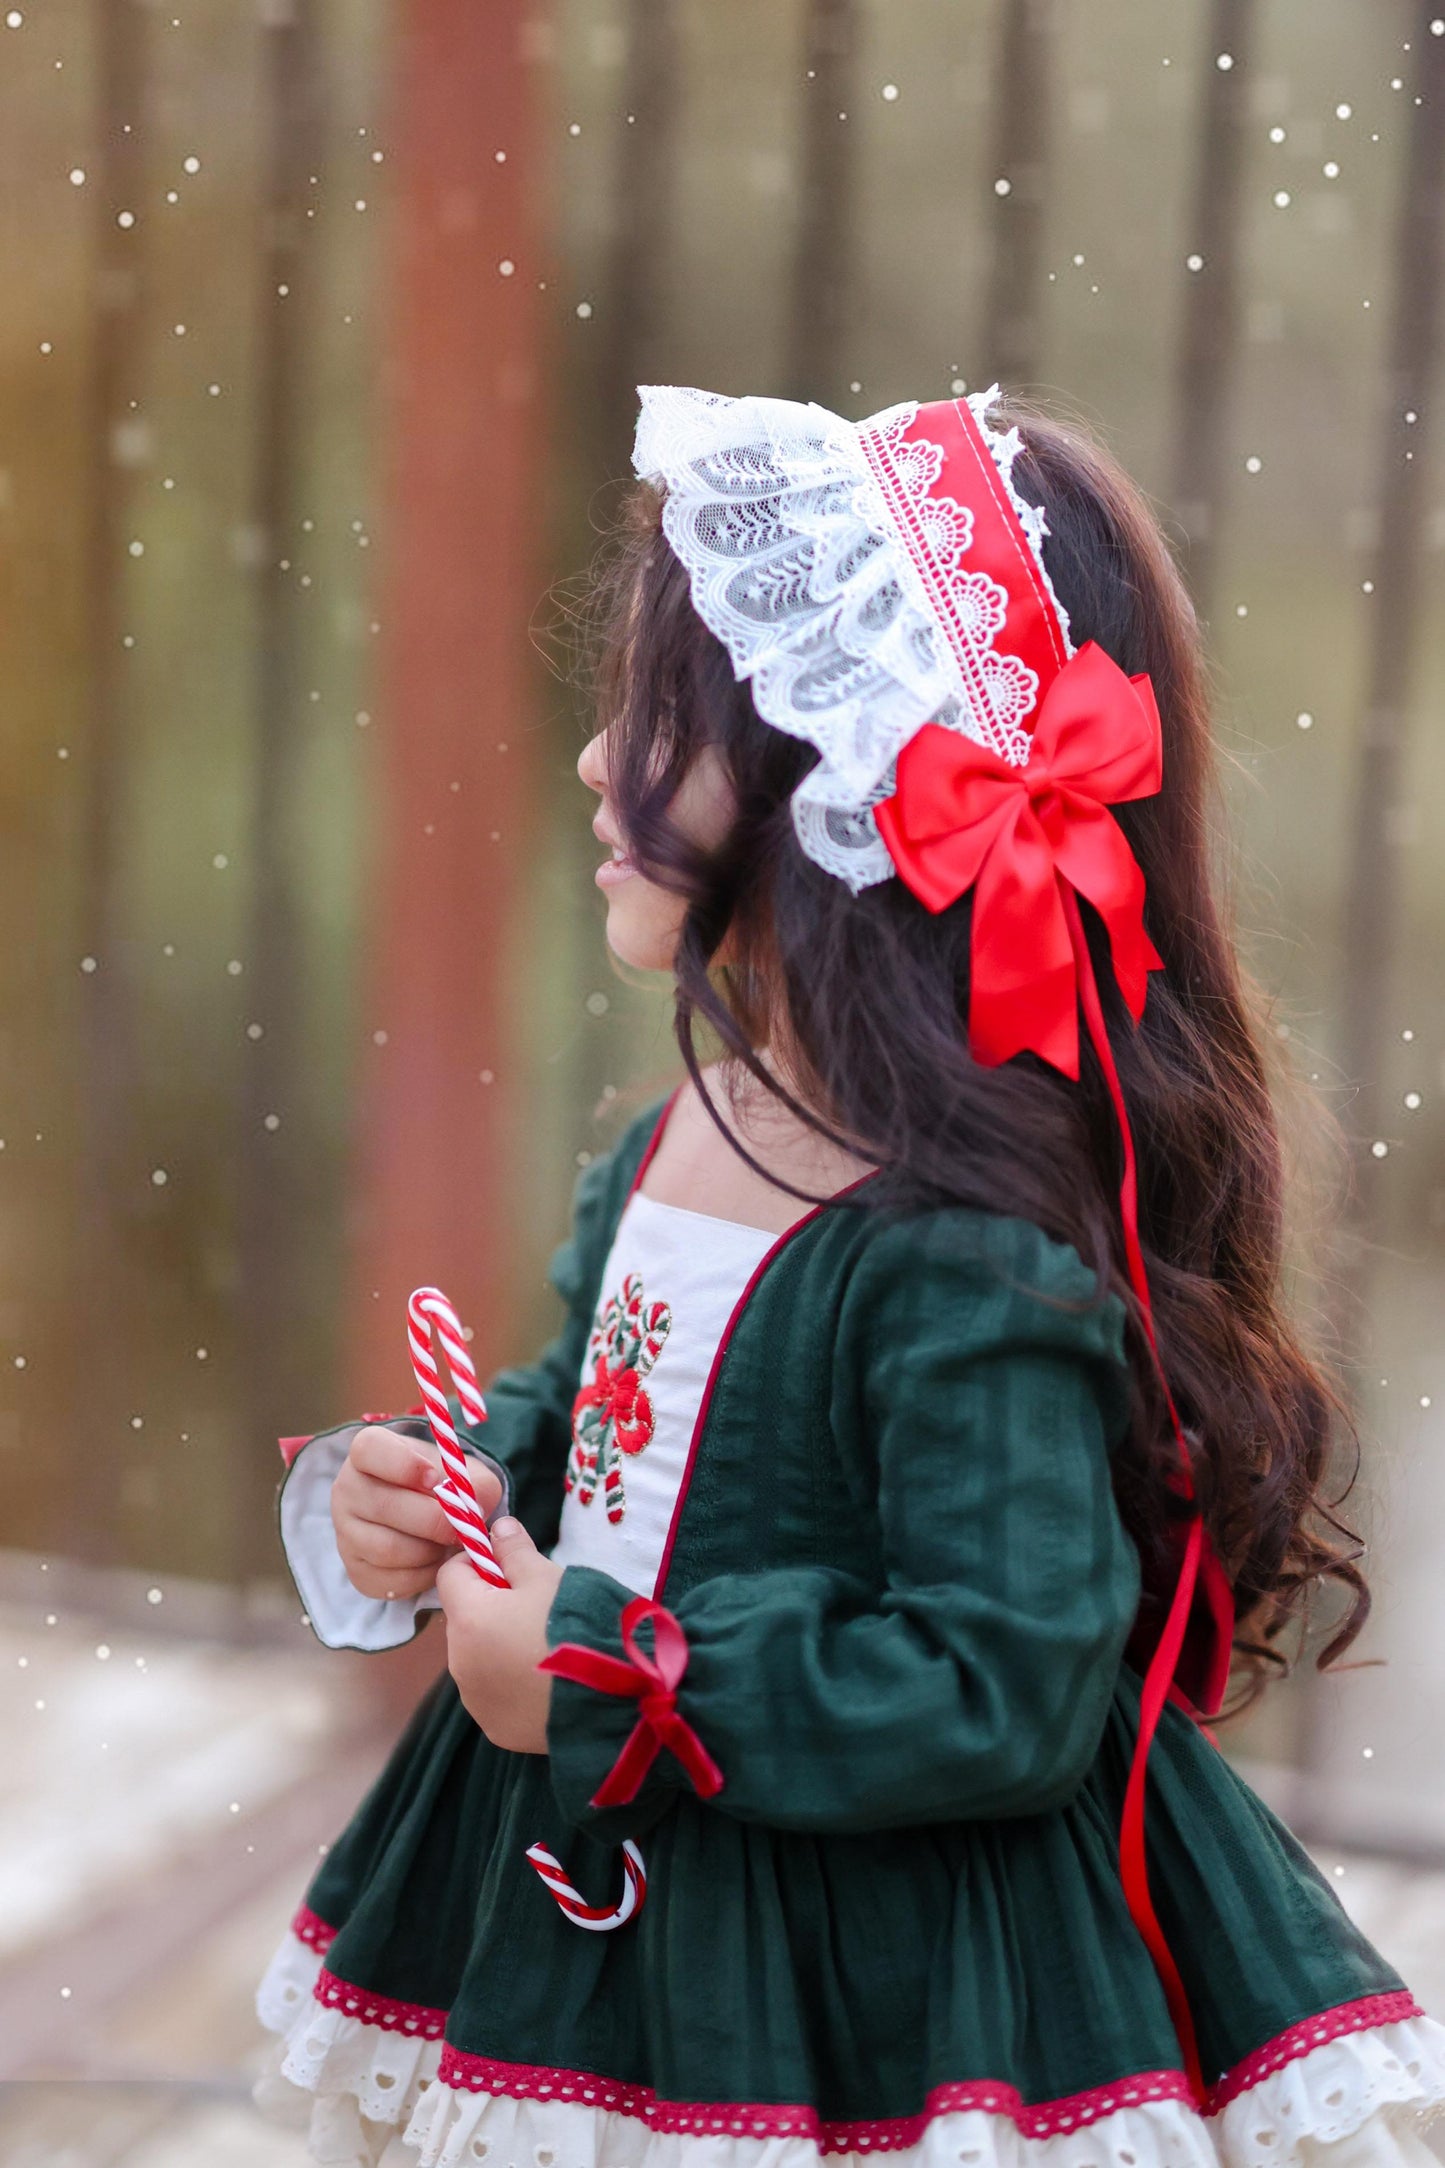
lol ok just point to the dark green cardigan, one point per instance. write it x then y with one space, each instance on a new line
906 1590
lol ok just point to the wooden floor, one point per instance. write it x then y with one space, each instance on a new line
162 1807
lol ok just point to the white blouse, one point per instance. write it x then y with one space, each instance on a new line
672 1281
671 1284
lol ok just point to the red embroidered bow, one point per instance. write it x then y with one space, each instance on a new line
623 1397
962 815
654 1681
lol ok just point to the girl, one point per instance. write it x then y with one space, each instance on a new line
924 1443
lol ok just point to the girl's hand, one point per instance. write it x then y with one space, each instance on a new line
390 1531
496 1637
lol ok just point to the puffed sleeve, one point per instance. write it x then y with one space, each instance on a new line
980 1386
525 1439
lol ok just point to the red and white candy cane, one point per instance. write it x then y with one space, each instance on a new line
428 1315
600 1919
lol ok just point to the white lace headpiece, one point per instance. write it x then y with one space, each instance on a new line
866 577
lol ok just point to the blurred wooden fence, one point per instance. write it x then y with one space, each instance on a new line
318 364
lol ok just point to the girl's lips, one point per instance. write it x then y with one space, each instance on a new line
613 870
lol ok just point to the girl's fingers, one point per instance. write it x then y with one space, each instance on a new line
373 1543
379 1581
411 1512
410 1463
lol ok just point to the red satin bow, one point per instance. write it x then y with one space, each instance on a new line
962 815
654 1681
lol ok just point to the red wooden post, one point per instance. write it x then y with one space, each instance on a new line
431 1198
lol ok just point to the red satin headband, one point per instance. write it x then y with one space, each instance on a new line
961 815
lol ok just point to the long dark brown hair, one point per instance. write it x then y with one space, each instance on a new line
868 994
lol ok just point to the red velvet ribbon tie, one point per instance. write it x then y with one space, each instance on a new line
653 1681
1031 840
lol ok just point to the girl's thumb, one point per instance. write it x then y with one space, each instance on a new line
514 1547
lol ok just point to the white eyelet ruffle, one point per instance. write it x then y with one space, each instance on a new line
368 2097
797 561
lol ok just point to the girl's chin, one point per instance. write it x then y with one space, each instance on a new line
635 938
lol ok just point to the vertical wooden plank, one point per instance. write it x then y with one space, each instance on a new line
271 1181
631 334
1013 325
1372 898
439 1098
1209 336
634 297
1325 1806
818 366
112 1204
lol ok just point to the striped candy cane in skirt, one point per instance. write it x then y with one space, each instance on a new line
428 1312
600 1919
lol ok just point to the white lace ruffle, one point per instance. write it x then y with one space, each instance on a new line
361 2092
795 527
347 2085
1393 2072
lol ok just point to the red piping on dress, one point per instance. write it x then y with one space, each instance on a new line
653 1142
726 1336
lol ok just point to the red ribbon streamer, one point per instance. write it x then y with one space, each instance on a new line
1031 840
653 1681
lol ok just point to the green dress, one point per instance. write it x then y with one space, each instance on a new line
879 1810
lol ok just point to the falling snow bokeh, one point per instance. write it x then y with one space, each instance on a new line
312 405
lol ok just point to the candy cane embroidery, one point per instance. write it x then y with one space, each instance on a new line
612 1414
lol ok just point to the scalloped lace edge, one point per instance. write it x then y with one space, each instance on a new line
1005 445
358 2090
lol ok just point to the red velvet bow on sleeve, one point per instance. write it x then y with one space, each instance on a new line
653 1681
963 815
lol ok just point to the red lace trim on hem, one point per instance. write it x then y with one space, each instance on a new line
1311 2033
466 2072
310 1928
416 2018
523 2081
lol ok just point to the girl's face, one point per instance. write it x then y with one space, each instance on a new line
643 920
